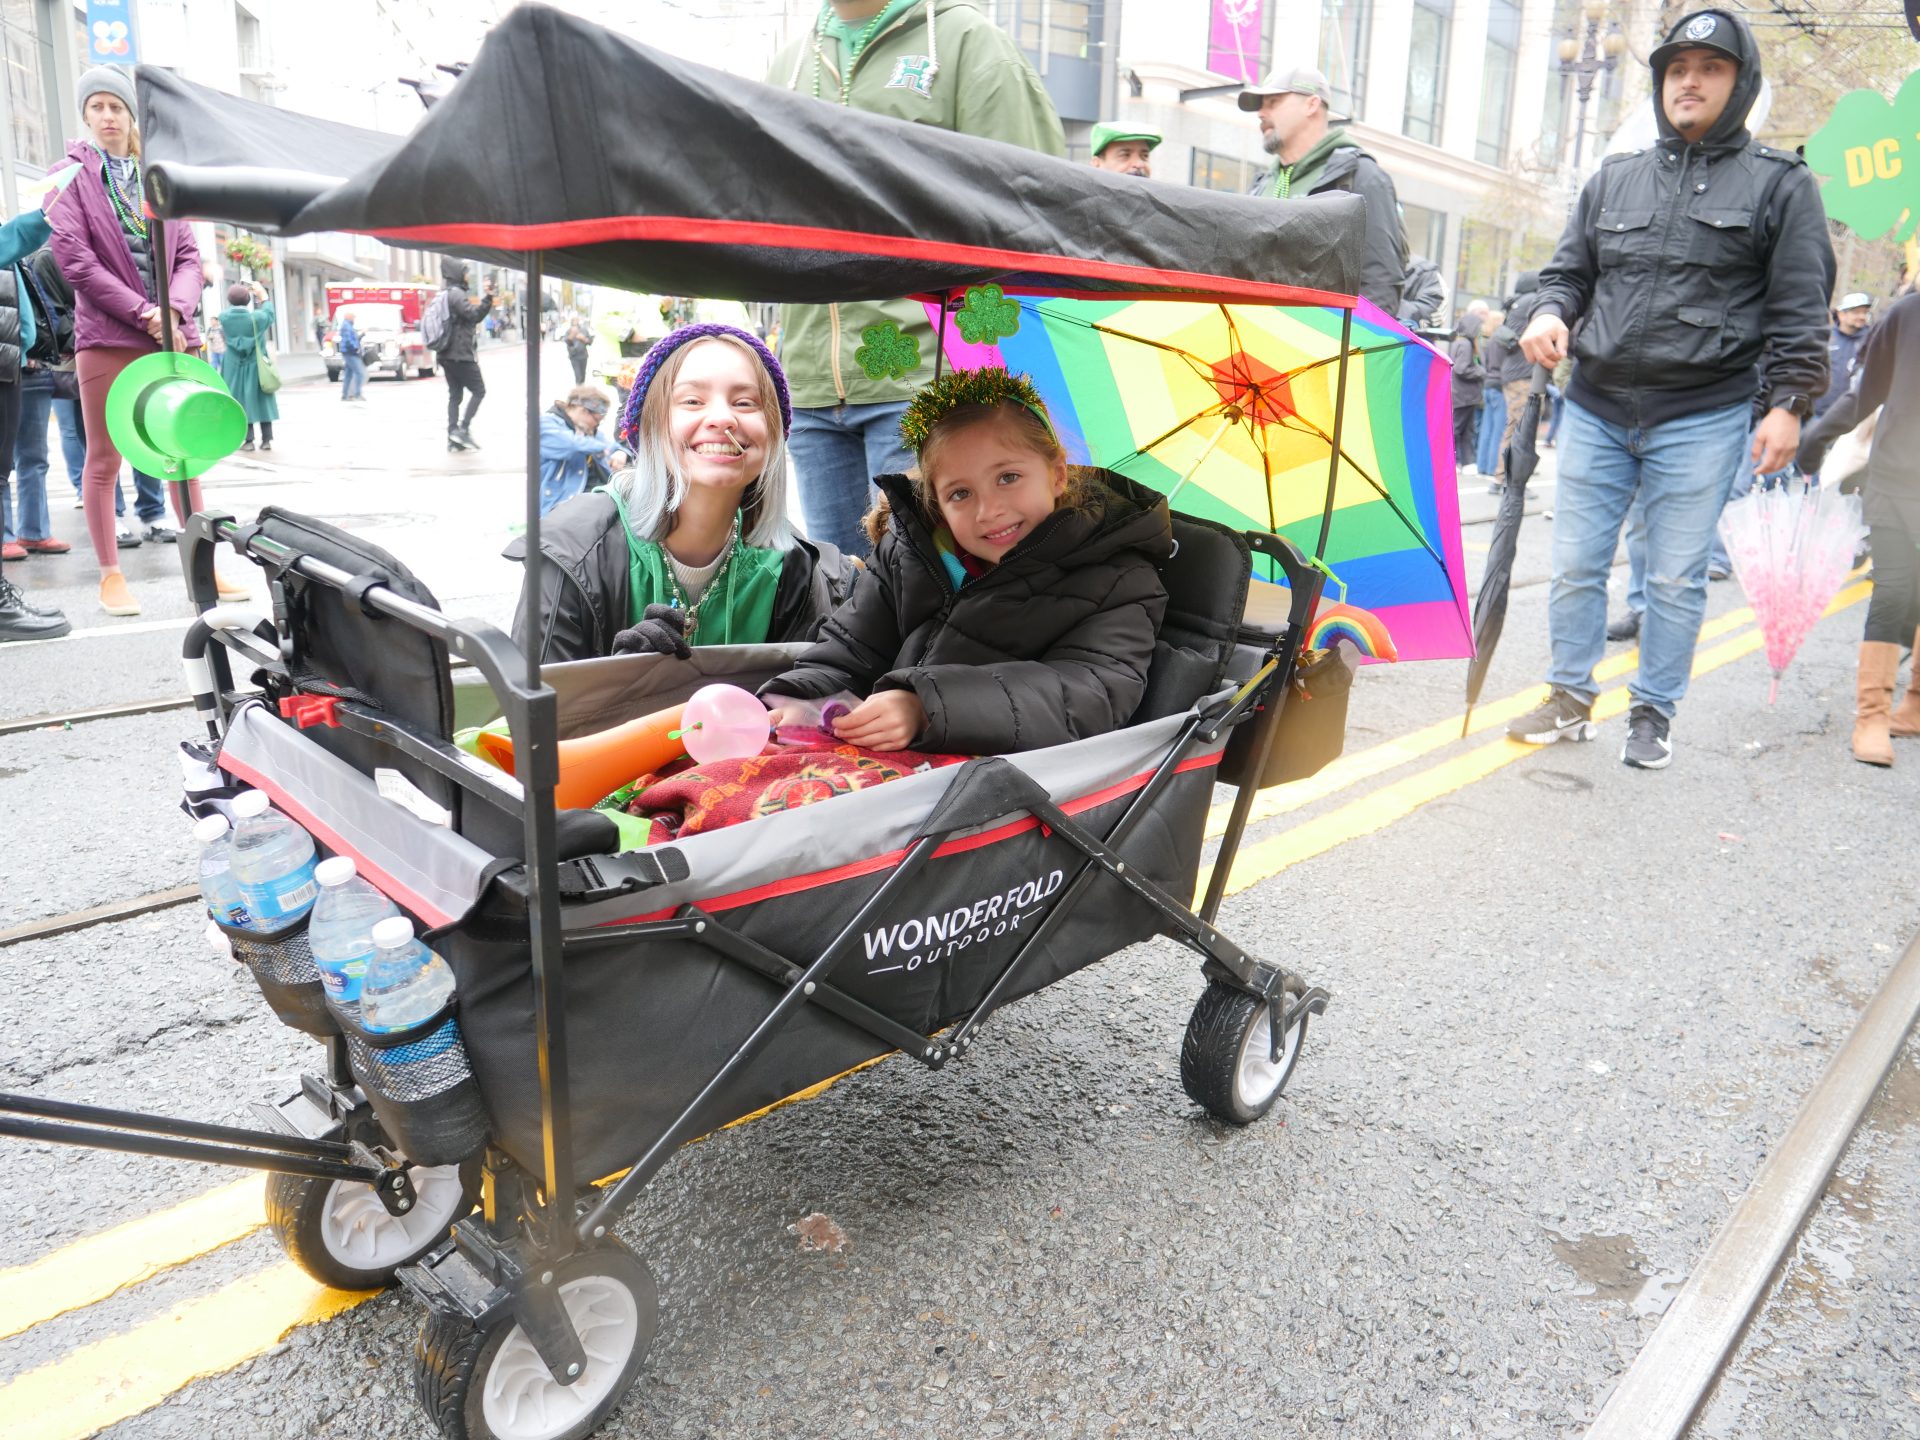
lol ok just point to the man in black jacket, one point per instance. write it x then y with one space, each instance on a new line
1309 158
1690 264
459 356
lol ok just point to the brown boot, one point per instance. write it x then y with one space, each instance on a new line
1879 668
1906 717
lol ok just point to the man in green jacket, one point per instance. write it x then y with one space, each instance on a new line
934 62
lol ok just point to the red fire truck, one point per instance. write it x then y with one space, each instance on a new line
388 319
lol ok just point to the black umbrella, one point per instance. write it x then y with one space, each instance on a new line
1490 605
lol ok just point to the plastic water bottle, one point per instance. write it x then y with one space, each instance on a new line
340 930
405 983
217 885
272 862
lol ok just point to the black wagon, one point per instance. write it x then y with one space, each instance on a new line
611 1006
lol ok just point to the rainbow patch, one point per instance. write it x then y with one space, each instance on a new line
1350 622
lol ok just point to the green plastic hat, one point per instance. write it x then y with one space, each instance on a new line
1108 131
172 416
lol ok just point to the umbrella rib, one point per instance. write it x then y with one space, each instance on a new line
1307 427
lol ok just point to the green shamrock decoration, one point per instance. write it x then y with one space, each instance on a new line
1870 151
987 315
886 351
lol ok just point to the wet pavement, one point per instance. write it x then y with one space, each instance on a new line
1574 1007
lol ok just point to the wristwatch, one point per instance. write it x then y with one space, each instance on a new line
1798 406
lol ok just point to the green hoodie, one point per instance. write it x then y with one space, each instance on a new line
968 76
1299 178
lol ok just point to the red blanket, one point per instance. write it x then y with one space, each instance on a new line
799 767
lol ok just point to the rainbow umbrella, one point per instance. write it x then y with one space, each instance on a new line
1229 411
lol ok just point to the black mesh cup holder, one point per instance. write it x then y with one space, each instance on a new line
420 1084
282 966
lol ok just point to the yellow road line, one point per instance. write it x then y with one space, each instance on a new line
1400 799
103 1383
1390 754
90 1270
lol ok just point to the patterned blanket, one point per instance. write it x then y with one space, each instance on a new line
798 767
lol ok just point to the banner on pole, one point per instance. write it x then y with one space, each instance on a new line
1233 42
110 33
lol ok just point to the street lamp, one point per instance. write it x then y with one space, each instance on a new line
1584 58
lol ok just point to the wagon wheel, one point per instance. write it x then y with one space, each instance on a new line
489 1383
1226 1060
340 1234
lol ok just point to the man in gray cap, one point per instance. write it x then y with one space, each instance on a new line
1851 317
1313 157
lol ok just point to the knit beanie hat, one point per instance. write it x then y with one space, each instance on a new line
110 80
629 427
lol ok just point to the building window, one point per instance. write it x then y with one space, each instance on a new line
1346 27
1426 231
1427 68
28 58
1496 81
1070 29
1214 171
1483 260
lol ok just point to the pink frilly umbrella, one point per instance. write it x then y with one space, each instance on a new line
1791 546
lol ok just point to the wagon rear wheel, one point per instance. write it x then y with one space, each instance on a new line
489 1383
340 1234
1226 1060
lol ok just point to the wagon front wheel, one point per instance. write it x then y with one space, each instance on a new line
340 1234
1226 1060
489 1383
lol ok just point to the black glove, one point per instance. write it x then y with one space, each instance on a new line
662 631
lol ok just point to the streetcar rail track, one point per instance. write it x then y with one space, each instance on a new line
105 914
65 718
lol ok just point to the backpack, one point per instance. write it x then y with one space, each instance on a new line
52 300
436 325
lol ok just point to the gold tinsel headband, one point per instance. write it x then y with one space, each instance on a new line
967 387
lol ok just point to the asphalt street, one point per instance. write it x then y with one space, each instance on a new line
1575 1006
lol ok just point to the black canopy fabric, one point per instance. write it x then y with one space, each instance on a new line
635 169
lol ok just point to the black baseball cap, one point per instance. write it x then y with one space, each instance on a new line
1703 30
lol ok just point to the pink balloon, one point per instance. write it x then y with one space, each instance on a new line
723 722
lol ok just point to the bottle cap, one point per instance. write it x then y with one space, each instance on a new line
392 932
336 871
249 803
213 828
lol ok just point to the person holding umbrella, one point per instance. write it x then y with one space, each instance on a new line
1690 265
1889 367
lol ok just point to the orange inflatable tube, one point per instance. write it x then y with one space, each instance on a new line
594 766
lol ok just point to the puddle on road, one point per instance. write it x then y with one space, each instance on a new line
1828 971
1615 1271
1899 1103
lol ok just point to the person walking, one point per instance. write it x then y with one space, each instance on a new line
1312 156
353 360
459 357
933 62
1691 266
1469 386
578 342
248 323
1887 379
101 240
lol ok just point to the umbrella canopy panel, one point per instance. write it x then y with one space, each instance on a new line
1229 410
638 170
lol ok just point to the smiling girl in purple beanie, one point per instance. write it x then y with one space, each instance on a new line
689 545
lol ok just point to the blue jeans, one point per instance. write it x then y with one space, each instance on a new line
29 464
1681 471
1559 408
837 451
1738 483
353 376
1493 424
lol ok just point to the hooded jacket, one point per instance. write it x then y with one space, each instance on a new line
1889 369
91 248
1514 365
586 591
932 62
463 311
1693 262
1338 163
1050 645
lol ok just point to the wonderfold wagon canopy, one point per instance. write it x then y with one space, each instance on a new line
631 168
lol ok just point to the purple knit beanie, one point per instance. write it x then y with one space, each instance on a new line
628 429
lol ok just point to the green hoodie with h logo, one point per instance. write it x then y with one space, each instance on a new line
932 62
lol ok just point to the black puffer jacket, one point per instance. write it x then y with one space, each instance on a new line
10 302
586 591
1050 645
463 312
1688 261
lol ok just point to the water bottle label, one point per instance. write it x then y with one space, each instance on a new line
234 913
281 899
343 979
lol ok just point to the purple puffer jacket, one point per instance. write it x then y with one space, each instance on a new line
92 253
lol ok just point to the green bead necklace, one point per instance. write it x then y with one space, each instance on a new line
859 45
130 218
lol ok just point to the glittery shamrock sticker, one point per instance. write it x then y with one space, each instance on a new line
987 315
887 352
